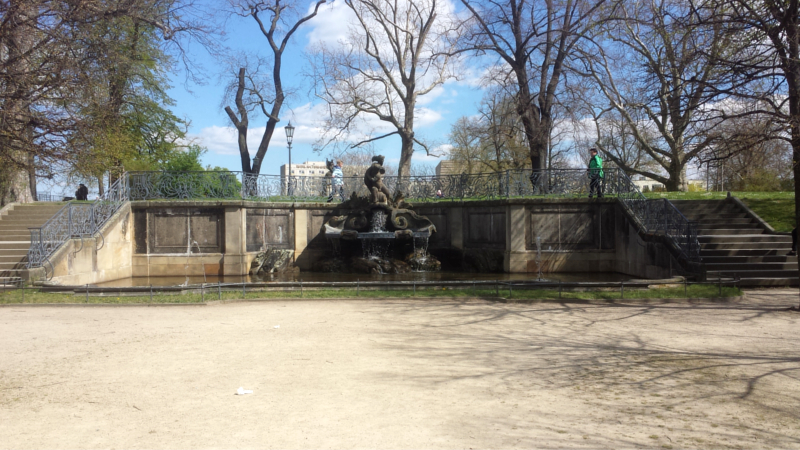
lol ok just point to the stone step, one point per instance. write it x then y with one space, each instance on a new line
728 231
21 226
732 222
16 237
47 209
14 215
14 246
752 274
11 265
723 208
703 217
744 267
745 253
752 238
776 246
5 258
740 259
769 282
730 226
13 272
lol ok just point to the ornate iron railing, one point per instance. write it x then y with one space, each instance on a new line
659 216
76 220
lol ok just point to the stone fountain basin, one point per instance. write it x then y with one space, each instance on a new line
400 234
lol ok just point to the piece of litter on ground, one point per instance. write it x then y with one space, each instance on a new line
242 391
277 326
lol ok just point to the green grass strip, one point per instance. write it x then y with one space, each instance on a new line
35 296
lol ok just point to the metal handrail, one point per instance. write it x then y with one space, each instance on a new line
74 220
660 216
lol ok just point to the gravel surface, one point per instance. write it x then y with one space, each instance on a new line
403 374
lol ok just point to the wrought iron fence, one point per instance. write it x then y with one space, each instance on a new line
239 185
46 197
75 220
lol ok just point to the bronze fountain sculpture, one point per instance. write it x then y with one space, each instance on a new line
383 224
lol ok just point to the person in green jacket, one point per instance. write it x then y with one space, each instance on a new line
596 174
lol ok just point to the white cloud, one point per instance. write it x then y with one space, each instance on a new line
426 99
331 26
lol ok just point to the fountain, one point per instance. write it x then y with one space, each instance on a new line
386 228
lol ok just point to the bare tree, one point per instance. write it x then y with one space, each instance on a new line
534 40
492 141
252 90
395 54
652 67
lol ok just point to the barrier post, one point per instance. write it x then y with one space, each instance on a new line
622 290
219 290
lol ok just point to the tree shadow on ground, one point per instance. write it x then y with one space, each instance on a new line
692 358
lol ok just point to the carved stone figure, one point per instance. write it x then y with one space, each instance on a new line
373 179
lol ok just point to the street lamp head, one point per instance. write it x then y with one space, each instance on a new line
289 132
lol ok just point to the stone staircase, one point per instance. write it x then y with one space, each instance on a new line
15 238
733 242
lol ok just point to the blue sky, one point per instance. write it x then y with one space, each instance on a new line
210 126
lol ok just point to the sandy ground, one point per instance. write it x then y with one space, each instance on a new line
403 374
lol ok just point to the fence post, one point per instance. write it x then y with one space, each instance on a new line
69 218
151 293
301 287
622 290
244 290
719 283
508 184
87 292
358 286
219 290
415 288
23 292
559 289
203 292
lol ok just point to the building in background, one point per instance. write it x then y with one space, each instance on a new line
647 185
448 167
306 169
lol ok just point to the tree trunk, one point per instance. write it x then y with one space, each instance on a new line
18 188
101 189
32 177
406 150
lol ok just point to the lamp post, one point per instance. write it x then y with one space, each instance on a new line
289 136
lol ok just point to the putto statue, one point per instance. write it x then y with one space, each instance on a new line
373 179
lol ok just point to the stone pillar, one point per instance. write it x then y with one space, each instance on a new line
301 217
516 257
234 261
455 220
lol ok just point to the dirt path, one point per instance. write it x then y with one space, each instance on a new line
403 374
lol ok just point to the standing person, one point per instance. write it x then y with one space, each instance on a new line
596 174
337 181
82 193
